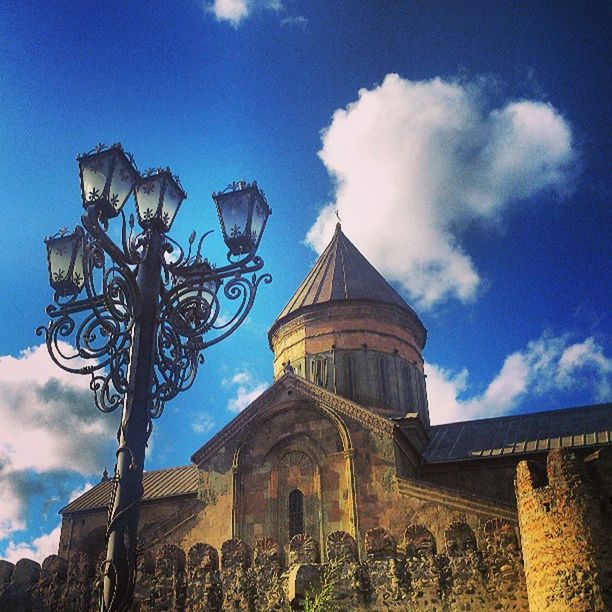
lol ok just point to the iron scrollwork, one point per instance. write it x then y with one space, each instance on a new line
136 315
93 335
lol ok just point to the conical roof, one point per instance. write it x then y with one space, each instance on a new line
342 273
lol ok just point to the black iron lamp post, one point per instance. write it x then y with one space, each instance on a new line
136 316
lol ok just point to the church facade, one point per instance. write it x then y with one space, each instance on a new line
337 466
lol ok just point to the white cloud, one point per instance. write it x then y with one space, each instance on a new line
236 11
548 364
295 20
203 423
415 161
79 491
233 11
241 378
40 547
248 389
49 425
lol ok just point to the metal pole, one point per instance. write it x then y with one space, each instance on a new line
119 570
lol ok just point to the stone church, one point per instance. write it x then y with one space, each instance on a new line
336 465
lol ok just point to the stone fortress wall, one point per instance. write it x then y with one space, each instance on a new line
422 574
562 562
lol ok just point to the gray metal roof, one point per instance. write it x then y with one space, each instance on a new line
342 273
157 484
520 434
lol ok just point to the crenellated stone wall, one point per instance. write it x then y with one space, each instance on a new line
418 574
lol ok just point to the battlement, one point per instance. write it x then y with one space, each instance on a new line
419 573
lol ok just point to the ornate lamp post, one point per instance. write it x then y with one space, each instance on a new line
136 316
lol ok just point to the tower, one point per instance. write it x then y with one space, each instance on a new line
347 330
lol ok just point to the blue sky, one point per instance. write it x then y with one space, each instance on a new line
465 145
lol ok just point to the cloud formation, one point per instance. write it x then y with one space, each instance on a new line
44 545
49 426
41 547
548 364
233 11
247 390
415 161
236 11
203 423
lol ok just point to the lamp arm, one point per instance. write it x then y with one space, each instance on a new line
91 223
199 274
239 288
241 264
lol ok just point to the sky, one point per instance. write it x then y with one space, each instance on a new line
464 145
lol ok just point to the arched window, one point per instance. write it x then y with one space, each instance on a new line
296 512
321 372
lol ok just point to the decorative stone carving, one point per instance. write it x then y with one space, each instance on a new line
169 581
235 577
341 547
79 582
267 576
419 542
203 591
459 539
295 458
379 544
386 575
303 549
52 582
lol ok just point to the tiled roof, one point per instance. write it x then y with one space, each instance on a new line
342 273
157 484
521 434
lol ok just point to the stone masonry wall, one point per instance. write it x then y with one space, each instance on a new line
421 574
565 521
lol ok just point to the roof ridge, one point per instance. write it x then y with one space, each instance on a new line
508 417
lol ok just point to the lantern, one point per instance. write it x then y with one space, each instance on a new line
158 198
107 176
196 288
243 212
66 262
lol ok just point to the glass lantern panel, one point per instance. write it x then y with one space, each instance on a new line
170 206
94 171
193 289
59 251
121 184
78 272
147 199
260 213
235 213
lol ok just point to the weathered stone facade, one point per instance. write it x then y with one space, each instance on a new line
565 518
335 473
411 576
